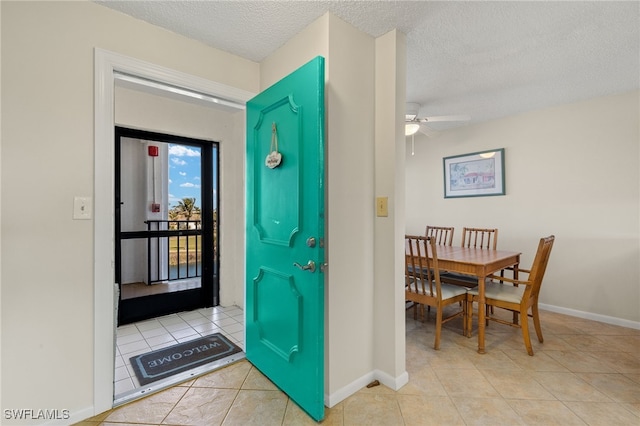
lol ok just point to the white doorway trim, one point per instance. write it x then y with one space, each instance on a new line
107 64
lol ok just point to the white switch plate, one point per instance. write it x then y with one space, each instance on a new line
82 208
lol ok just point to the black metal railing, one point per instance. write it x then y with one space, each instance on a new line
174 250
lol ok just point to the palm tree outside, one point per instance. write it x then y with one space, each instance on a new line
187 207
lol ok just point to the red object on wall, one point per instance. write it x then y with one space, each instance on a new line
153 151
155 208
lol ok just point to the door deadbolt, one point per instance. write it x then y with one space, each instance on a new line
311 242
310 266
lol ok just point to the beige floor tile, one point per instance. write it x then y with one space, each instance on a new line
455 359
558 327
423 382
486 411
616 386
581 362
633 408
601 328
633 376
124 424
584 342
544 413
257 407
295 416
201 406
416 358
152 409
372 409
540 361
603 413
624 344
555 342
230 377
466 383
516 385
569 387
257 381
429 410
97 418
622 362
494 360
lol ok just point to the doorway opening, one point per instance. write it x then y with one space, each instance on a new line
166 224
166 253
111 70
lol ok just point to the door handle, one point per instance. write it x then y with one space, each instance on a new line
310 266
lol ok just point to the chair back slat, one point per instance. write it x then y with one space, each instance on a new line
443 235
486 238
421 270
413 266
539 266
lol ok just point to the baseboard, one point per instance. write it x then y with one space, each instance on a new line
394 383
60 417
591 316
343 393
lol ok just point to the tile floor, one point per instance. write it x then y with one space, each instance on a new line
585 373
157 333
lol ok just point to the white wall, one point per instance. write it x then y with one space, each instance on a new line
134 208
389 298
351 185
47 158
572 171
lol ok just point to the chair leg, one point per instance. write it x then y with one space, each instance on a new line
469 315
436 345
464 317
415 311
536 322
524 324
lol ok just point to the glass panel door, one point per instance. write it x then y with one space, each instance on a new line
166 250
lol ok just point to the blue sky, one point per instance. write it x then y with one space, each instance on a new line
184 174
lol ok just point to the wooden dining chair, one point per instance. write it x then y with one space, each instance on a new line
423 286
442 234
484 238
519 296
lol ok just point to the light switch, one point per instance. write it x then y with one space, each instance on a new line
381 207
82 208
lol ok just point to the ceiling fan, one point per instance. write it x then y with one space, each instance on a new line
413 122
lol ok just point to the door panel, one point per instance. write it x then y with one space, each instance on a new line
285 234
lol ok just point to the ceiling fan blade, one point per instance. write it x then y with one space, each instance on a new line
446 118
427 131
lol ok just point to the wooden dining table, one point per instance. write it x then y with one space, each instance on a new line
479 263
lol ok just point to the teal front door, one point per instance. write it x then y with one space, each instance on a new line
285 235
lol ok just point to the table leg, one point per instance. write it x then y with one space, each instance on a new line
481 315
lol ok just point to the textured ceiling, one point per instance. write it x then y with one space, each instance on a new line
483 59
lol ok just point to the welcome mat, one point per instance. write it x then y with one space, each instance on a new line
165 362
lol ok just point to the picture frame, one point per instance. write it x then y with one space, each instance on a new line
478 174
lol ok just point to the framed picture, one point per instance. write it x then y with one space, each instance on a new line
479 174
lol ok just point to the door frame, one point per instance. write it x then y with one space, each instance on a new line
107 66
207 294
